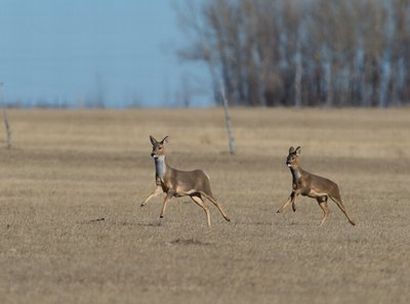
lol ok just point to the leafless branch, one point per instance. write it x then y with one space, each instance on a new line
228 122
5 119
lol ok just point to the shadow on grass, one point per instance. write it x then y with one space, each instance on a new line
96 220
188 242
156 224
121 223
241 223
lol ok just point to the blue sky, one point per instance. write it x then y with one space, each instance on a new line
78 50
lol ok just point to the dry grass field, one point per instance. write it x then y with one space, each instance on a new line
68 169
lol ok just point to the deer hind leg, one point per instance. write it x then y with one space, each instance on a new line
291 199
342 207
323 205
198 200
213 201
154 193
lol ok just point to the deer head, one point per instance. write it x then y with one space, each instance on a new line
292 160
158 148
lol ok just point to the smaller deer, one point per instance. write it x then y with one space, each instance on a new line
177 183
313 186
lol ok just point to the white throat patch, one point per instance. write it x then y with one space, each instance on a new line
160 166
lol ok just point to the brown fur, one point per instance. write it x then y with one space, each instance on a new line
178 183
313 186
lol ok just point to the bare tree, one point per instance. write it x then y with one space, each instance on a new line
228 122
5 118
295 52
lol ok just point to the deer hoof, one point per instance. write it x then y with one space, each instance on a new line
161 216
142 205
278 211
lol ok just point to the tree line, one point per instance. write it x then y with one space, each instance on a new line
302 52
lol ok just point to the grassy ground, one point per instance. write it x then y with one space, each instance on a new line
70 168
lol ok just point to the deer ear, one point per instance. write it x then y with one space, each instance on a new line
164 140
153 140
297 151
291 150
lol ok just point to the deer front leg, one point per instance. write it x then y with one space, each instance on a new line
154 193
291 198
169 195
295 193
293 203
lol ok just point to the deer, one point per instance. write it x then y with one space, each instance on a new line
178 183
313 186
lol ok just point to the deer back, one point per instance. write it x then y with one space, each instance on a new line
187 181
322 184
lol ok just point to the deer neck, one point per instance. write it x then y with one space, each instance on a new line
296 173
160 167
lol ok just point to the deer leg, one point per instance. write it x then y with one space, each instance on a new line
213 201
323 205
295 194
198 200
164 205
293 203
154 193
291 199
342 207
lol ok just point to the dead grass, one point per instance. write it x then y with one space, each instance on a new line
71 229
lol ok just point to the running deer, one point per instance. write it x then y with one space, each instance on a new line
313 186
177 183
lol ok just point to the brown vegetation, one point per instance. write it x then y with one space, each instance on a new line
71 229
